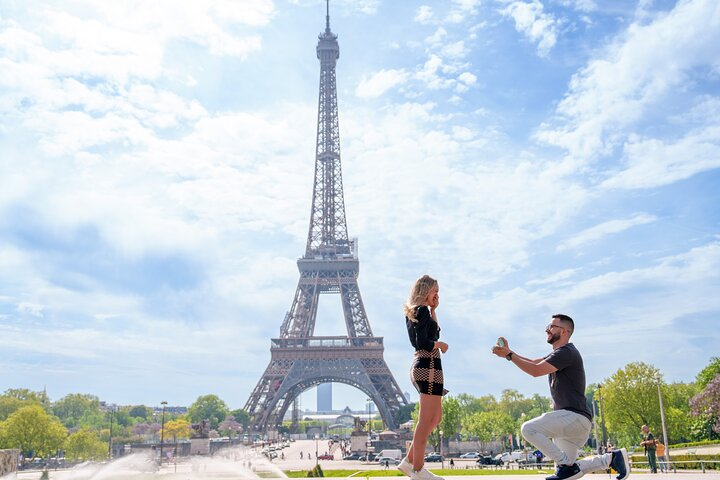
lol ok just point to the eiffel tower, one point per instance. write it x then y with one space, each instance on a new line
299 359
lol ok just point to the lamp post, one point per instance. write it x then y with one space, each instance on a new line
317 437
112 411
662 418
602 417
162 430
442 459
369 420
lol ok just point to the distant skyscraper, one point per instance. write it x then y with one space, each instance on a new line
324 397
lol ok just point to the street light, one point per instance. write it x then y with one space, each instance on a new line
162 430
662 418
369 400
442 459
602 417
317 437
112 410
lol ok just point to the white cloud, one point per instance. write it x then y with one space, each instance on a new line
437 37
652 162
580 5
555 278
454 50
604 229
638 70
31 309
424 14
537 25
461 10
380 82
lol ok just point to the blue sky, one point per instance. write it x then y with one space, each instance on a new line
534 156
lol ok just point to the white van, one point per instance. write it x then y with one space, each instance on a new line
396 454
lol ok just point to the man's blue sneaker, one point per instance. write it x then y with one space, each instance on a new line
566 472
620 463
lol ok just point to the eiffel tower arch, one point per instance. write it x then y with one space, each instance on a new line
299 359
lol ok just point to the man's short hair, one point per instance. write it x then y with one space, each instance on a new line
566 321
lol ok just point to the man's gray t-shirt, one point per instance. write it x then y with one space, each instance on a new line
567 384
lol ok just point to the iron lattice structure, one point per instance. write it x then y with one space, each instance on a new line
299 359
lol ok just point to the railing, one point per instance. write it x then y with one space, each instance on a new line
677 465
326 342
702 465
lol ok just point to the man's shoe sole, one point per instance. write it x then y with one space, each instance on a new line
626 459
580 474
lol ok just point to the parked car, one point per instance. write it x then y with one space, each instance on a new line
390 460
433 457
488 460
470 455
367 458
353 456
327 456
514 456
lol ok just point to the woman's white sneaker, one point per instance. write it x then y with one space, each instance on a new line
424 474
405 466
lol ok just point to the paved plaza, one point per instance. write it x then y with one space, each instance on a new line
234 464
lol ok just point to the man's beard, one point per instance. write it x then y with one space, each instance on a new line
554 338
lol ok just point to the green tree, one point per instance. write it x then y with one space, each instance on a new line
140 412
706 404
241 416
492 425
451 417
514 403
78 409
15 398
708 373
630 399
31 430
471 404
85 445
175 429
404 413
230 427
9 405
210 408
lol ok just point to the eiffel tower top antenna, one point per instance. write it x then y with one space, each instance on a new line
327 16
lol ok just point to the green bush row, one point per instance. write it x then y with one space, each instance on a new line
690 462
694 444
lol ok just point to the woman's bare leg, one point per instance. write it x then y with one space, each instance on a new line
429 417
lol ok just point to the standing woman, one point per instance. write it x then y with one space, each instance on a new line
426 373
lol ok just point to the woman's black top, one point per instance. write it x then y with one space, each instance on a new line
425 332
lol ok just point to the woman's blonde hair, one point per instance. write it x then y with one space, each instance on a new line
418 294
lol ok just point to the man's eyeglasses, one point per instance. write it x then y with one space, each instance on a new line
550 326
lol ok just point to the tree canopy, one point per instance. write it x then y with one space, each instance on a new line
210 408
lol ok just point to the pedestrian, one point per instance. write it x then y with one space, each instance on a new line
649 443
660 454
538 458
387 464
560 434
452 464
426 373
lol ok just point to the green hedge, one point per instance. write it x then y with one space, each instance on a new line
686 462
694 444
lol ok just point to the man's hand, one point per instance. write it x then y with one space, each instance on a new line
501 351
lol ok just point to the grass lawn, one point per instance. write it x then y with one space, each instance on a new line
395 473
